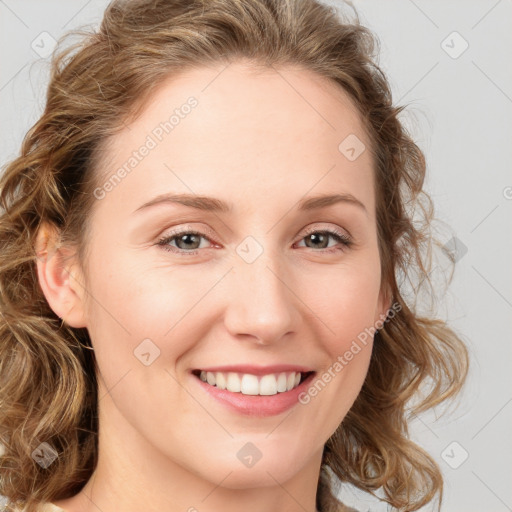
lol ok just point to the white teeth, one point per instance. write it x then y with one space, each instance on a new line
281 382
268 385
220 381
233 383
290 382
249 384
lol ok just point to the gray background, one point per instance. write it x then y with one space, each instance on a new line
460 114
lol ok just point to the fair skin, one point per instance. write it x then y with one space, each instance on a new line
253 141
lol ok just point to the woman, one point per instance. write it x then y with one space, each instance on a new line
204 245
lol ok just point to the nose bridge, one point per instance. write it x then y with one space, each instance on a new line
260 302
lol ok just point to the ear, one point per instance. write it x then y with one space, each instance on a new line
60 277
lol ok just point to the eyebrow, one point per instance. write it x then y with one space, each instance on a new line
211 204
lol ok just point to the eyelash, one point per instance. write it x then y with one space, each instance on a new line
341 237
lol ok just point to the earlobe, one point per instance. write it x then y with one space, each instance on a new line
59 277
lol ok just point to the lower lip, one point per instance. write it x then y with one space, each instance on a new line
257 405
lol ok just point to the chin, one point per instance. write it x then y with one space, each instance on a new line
263 473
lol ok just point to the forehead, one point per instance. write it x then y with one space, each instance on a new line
271 130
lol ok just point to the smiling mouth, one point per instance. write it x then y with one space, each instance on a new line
249 384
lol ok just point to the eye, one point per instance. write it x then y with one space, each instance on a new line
321 237
188 242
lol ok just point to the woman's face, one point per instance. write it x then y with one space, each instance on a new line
263 284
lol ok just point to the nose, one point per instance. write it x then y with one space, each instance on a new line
261 304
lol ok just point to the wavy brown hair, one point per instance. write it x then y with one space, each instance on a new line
47 372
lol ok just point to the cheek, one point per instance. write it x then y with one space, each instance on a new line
345 301
129 303
346 314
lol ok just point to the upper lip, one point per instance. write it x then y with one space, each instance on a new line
257 370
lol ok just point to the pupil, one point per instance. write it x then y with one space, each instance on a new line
188 237
316 236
